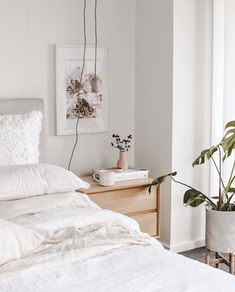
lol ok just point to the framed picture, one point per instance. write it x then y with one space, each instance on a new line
74 96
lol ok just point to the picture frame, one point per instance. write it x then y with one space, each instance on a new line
93 107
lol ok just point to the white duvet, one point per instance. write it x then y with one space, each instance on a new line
86 248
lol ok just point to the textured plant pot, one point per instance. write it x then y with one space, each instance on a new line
220 231
122 162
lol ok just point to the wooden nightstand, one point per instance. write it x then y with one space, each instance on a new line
130 198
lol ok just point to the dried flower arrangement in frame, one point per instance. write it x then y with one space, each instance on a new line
75 98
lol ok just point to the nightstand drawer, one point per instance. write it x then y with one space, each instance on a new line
127 201
147 222
130 198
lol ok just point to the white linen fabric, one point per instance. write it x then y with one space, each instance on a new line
19 138
86 248
9 210
137 268
20 181
16 241
73 234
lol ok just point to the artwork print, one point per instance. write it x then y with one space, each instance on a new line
79 93
74 95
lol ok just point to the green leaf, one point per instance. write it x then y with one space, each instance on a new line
228 146
159 180
205 154
231 190
228 141
231 131
211 151
193 198
230 124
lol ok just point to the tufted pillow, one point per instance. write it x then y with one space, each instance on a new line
19 138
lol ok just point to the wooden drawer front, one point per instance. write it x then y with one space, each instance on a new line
126 201
147 222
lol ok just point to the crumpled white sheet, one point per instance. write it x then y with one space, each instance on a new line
72 234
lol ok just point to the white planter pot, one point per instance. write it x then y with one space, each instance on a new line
220 231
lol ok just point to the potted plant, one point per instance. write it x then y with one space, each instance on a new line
220 209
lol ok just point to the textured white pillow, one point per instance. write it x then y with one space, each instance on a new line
21 181
16 241
19 138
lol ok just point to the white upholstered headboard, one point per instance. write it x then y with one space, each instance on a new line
23 105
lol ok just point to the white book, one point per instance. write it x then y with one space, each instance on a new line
131 174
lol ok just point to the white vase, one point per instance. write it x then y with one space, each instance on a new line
122 162
220 231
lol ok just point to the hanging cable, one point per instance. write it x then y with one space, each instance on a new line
94 80
81 76
95 36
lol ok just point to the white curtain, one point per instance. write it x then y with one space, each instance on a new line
223 77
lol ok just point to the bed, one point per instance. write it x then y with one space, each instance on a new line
71 244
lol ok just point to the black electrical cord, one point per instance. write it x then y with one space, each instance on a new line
83 66
95 35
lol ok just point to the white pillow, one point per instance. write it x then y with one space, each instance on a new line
19 138
21 181
16 241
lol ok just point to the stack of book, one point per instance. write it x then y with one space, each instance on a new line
129 174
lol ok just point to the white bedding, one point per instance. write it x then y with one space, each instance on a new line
86 248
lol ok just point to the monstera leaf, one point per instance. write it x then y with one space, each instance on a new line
159 180
228 142
205 155
193 198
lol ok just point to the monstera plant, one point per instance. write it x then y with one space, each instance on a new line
223 201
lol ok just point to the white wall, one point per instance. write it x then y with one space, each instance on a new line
191 115
170 116
173 100
154 82
28 31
